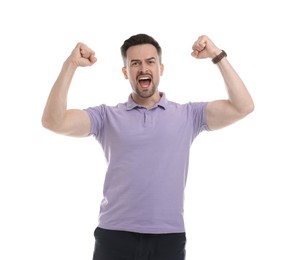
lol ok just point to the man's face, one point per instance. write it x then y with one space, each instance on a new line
143 69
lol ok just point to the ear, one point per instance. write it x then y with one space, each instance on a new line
162 69
124 71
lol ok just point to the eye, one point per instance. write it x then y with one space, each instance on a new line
134 63
151 61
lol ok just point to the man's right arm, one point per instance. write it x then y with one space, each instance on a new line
56 117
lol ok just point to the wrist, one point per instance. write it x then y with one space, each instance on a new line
70 64
220 55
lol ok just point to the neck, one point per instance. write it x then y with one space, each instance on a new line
147 102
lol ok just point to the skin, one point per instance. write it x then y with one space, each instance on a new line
143 61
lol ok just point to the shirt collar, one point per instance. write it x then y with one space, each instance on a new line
163 102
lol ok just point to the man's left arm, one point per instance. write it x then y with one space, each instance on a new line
221 113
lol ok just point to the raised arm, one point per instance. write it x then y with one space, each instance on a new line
56 117
221 113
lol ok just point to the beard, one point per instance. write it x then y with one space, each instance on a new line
145 93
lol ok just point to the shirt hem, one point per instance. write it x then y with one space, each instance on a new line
144 230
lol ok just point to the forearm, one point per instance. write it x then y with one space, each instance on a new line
238 95
56 106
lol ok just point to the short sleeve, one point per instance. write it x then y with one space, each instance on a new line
97 116
198 115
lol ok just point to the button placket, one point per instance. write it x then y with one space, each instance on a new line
147 118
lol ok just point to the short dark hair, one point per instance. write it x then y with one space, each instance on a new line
139 39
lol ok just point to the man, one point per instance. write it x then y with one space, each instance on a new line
146 142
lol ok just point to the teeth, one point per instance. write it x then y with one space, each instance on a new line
144 78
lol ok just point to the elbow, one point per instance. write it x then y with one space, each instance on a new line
45 123
248 109
48 124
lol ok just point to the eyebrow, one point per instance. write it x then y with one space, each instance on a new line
148 59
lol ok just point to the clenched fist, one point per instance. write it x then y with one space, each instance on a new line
82 56
205 48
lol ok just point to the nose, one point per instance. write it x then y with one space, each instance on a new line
144 69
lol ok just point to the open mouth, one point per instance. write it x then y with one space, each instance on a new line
144 81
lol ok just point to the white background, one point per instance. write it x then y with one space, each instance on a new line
237 194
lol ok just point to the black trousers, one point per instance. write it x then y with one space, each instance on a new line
123 245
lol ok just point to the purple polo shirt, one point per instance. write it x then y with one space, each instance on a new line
147 151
